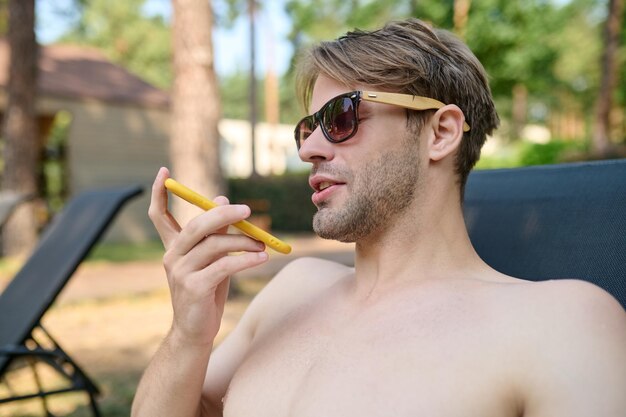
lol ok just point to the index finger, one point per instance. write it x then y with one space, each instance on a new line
165 224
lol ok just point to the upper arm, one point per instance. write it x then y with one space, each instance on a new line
579 358
299 280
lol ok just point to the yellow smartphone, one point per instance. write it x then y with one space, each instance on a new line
248 228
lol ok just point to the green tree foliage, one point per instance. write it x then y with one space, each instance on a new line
234 94
315 20
620 95
513 40
579 48
552 49
4 17
119 28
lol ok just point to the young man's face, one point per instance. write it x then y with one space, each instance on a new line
363 183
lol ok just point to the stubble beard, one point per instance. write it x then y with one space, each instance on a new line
379 192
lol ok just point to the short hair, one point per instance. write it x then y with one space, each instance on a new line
410 57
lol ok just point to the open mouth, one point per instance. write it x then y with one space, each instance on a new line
324 188
324 185
321 184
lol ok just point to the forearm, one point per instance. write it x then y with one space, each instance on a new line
172 383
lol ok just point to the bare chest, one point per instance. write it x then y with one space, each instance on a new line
403 362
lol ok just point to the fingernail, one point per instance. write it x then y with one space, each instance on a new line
262 255
243 209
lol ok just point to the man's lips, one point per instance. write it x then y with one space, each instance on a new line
323 187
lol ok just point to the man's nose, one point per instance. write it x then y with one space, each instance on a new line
316 147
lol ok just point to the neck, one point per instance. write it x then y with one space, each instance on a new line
429 241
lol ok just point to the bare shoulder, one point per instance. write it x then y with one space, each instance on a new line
299 282
315 272
567 311
575 305
571 345
304 277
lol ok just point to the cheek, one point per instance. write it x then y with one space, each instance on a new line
388 129
380 140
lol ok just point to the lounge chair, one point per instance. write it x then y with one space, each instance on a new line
552 221
34 288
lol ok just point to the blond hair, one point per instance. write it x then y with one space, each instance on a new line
410 57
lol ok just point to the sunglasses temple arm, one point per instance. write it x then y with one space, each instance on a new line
407 101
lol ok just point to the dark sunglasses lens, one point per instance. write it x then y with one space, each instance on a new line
304 130
340 119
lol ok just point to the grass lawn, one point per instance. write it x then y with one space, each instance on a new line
125 252
112 340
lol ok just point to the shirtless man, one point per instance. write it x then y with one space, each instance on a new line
421 326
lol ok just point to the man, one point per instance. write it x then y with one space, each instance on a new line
421 326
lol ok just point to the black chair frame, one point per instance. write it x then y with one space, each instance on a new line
23 303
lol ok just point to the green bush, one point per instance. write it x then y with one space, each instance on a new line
507 157
126 252
521 153
288 198
552 152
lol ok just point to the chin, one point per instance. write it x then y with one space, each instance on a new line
329 225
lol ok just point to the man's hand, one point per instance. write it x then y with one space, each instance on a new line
199 259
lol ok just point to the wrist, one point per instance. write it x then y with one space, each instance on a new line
180 340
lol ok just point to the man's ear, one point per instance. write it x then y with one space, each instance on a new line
447 132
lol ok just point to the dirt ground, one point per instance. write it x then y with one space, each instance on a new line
110 318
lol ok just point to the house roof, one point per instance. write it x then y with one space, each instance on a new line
80 72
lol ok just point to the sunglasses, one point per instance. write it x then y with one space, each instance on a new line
339 117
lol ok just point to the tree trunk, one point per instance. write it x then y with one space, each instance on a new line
272 99
252 88
194 139
601 143
22 145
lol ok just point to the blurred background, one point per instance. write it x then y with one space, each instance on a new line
98 93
